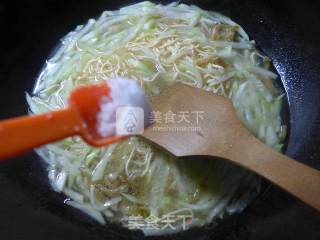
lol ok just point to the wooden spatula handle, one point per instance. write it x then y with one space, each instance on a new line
221 134
21 134
294 177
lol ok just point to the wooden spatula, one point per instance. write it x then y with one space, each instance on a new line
221 134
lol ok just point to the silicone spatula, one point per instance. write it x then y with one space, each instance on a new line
22 134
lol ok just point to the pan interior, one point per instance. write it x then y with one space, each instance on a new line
250 183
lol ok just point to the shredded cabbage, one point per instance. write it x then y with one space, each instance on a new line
157 45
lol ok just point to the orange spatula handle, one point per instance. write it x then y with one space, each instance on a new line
21 134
